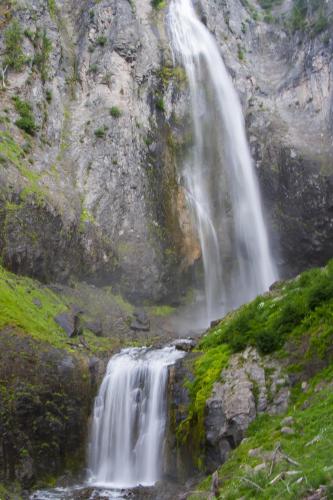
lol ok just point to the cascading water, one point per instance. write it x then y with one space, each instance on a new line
219 176
129 419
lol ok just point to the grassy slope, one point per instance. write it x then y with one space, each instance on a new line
17 309
294 321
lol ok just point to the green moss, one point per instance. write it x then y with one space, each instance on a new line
207 370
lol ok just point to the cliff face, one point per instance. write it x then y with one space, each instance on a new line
282 67
92 190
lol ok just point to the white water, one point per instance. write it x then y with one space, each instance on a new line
219 175
129 419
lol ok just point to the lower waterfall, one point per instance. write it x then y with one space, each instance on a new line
129 419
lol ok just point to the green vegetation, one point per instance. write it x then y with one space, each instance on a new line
101 40
269 4
158 4
100 132
167 73
240 53
52 8
43 47
303 306
310 448
297 312
18 310
207 370
26 121
159 103
162 310
14 56
115 112
310 16
48 95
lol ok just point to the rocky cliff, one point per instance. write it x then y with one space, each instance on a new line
94 127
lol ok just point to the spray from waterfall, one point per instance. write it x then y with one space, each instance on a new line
218 174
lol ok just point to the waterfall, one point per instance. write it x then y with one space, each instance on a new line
129 419
218 174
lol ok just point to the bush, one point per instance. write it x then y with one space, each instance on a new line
101 41
26 121
43 47
158 4
14 56
115 112
160 103
101 132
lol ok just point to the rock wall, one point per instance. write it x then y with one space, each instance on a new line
46 395
94 191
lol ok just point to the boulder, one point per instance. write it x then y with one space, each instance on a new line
95 327
140 322
184 344
70 323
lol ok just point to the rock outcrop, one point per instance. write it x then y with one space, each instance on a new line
251 385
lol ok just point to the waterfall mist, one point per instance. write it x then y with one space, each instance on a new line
218 174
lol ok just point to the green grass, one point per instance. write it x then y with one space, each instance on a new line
299 311
303 306
17 310
310 446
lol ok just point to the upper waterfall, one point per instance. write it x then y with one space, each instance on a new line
218 173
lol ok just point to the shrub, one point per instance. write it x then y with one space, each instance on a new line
158 4
14 56
101 132
48 95
101 41
26 121
43 47
115 112
160 103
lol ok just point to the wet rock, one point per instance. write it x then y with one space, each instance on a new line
70 323
140 322
184 344
259 468
238 399
287 421
288 431
95 327
37 302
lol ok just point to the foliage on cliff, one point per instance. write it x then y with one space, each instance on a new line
273 464
294 320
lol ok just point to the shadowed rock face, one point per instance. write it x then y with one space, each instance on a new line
46 397
94 194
